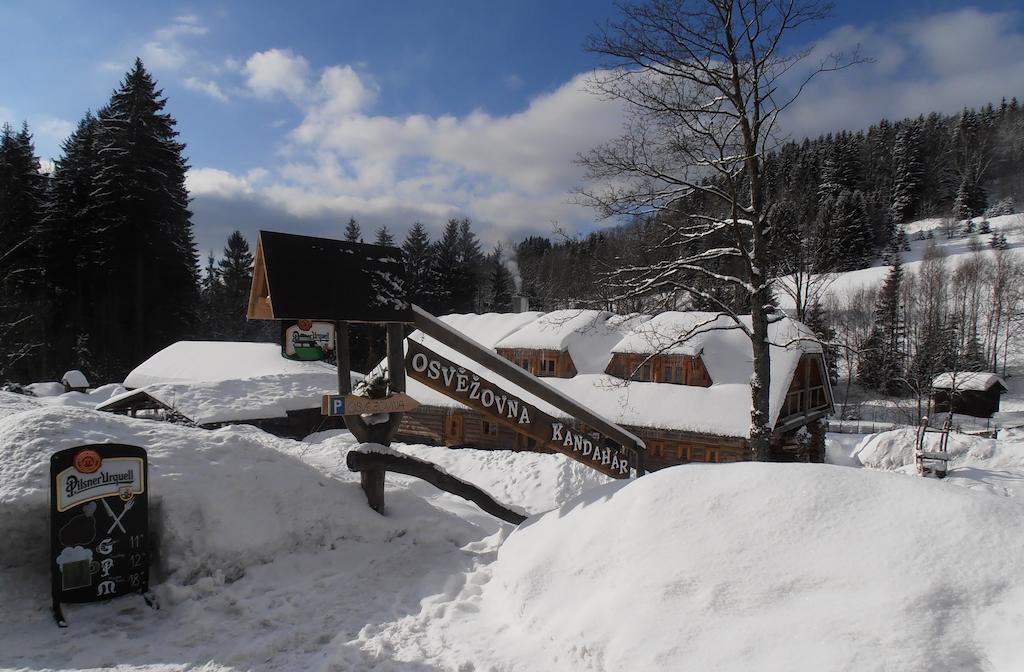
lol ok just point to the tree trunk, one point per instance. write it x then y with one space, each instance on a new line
760 382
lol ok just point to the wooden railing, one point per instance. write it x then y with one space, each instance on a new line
802 401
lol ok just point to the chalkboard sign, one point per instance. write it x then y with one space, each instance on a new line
99 523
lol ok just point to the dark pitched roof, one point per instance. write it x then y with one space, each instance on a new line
302 277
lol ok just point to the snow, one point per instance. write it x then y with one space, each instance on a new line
955 249
75 379
967 380
769 567
588 335
216 382
270 559
49 389
210 361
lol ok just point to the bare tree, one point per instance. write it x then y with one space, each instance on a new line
704 83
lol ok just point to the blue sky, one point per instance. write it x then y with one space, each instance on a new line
297 119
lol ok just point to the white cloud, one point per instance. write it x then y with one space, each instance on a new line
278 71
167 50
942 63
512 173
209 87
216 182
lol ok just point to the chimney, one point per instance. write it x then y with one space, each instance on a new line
520 304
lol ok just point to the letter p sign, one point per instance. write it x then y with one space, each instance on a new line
338 406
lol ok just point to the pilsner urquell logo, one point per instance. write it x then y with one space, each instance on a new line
75 485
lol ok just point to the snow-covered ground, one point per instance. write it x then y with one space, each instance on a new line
271 560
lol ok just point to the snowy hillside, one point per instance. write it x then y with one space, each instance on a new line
841 284
271 560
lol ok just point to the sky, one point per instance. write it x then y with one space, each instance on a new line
395 112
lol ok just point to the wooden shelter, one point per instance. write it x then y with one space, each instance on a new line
307 278
967 393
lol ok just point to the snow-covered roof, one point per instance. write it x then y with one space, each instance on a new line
214 382
967 380
190 361
587 335
664 333
75 378
722 409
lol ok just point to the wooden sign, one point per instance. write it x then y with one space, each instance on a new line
99 523
306 340
349 404
476 392
306 278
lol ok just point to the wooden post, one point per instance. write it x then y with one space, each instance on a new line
354 423
372 479
341 351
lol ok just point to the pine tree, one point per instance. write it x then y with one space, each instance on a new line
76 245
22 277
468 295
881 360
500 283
418 264
907 170
211 294
150 278
449 277
849 221
353 233
384 237
235 273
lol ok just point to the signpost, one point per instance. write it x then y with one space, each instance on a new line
99 524
350 404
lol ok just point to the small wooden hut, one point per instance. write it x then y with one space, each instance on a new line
967 393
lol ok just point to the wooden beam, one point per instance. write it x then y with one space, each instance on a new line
438 330
371 463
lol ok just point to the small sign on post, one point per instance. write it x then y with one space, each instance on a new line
350 404
99 524
306 340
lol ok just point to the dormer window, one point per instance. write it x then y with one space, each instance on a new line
541 363
673 369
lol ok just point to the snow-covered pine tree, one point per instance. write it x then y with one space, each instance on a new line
150 276
353 233
849 221
907 172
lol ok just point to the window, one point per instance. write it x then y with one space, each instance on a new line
488 428
547 366
645 372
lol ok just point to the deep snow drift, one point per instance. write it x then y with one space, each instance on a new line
771 567
271 560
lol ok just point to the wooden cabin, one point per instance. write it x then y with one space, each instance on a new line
210 384
968 393
687 398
